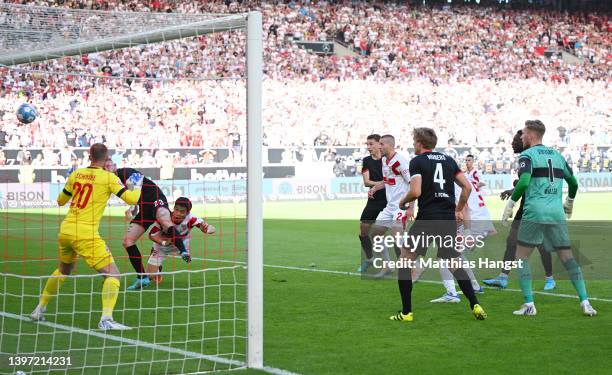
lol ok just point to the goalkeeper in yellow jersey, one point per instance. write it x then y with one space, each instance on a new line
88 190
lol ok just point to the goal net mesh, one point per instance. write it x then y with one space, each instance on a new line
158 90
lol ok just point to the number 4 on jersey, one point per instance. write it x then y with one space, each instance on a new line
439 176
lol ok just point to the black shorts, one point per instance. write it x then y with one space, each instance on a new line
442 234
371 210
150 202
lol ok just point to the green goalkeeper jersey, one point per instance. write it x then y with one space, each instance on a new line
543 197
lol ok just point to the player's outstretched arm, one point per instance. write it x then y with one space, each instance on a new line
207 228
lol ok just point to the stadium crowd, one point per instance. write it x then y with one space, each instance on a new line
474 73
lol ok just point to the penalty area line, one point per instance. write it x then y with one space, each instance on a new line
144 344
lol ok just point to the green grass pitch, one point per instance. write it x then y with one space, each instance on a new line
320 317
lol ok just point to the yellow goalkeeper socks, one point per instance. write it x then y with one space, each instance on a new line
51 287
110 291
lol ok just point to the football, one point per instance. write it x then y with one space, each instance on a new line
26 113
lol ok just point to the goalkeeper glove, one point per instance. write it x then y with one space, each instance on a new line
135 180
568 207
186 256
508 212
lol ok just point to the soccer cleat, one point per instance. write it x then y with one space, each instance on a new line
587 309
447 298
383 273
479 312
401 317
38 315
500 282
480 290
550 284
111 325
526 309
140 283
365 265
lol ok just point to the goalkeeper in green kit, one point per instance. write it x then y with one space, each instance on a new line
541 174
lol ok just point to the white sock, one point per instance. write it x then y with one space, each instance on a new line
471 275
385 254
417 272
448 281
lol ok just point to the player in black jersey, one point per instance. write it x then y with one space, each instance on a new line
502 280
432 179
152 207
372 173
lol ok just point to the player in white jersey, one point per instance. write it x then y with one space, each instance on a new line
396 182
478 220
184 222
476 224
471 173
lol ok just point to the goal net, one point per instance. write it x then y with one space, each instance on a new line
177 97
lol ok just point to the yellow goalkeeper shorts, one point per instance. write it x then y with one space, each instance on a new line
93 250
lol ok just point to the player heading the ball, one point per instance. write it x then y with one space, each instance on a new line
152 207
184 222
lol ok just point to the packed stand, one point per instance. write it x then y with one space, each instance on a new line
473 73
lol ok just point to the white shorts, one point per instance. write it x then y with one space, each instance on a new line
391 217
159 254
480 222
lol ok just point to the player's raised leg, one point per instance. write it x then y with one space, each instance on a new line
133 233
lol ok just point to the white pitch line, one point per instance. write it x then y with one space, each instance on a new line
144 344
348 273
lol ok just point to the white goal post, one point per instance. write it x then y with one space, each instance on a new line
28 43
